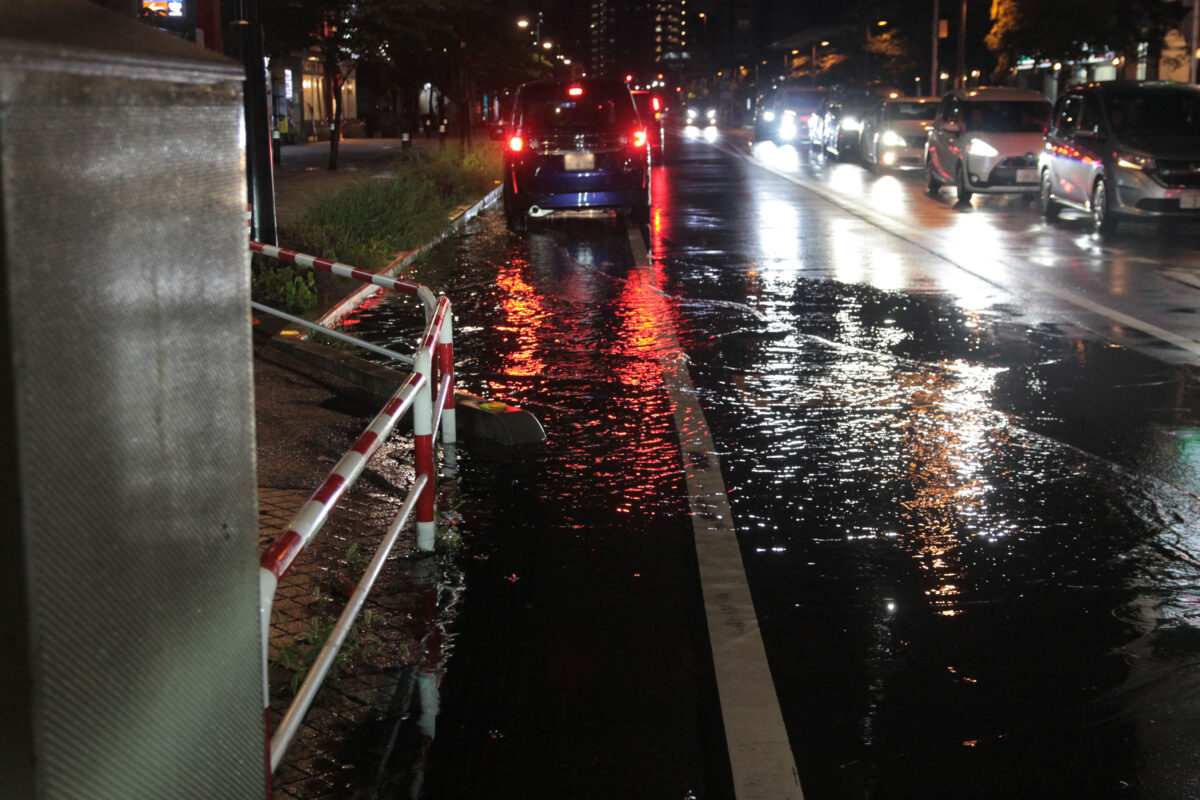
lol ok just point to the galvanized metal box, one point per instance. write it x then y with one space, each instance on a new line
129 642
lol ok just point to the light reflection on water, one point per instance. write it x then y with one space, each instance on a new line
975 525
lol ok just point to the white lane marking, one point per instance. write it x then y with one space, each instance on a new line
985 267
759 753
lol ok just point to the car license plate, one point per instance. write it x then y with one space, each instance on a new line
579 162
1027 176
1189 199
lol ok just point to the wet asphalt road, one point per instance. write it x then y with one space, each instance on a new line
960 452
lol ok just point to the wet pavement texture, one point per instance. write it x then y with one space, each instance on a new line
968 520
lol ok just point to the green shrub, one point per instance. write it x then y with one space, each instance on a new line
283 286
367 224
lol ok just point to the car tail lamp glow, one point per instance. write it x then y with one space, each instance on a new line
516 144
639 139
655 104
575 91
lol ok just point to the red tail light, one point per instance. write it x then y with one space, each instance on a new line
516 144
575 91
657 106
639 139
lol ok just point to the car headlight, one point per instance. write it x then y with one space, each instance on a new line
851 124
691 114
787 127
891 139
978 147
712 113
768 116
1132 161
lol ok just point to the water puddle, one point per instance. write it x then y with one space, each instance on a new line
971 543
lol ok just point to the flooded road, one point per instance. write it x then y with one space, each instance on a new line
962 472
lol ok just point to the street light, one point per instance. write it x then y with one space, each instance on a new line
523 23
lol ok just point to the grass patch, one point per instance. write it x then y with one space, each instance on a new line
367 224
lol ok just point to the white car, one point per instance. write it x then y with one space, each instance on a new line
987 140
894 135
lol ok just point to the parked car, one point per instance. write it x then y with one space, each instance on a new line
894 134
842 122
653 112
784 116
574 144
1123 149
986 140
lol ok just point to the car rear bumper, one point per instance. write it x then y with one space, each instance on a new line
564 201
549 188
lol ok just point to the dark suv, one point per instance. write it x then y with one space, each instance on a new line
1123 149
575 145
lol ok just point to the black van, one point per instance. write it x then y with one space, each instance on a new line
575 145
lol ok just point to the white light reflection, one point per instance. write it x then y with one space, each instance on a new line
784 159
888 195
778 241
708 133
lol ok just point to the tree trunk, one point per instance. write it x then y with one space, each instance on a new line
333 99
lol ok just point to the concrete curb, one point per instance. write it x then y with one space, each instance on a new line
458 219
488 419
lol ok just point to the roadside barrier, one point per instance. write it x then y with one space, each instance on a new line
429 393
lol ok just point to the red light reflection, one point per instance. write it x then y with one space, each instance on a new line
524 314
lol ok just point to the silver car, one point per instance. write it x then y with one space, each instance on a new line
987 140
894 135
1123 149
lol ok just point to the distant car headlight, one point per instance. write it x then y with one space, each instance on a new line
768 116
1131 161
711 114
892 139
978 147
692 114
851 124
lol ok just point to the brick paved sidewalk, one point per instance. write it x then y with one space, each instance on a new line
362 736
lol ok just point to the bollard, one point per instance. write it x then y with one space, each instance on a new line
405 141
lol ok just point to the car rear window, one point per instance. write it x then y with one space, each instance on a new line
1154 113
590 108
1007 116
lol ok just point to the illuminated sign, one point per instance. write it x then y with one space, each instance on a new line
287 84
163 8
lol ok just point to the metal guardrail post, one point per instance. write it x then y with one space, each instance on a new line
449 426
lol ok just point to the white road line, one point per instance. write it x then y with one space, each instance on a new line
984 267
759 753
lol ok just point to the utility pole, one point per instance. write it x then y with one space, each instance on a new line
246 41
960 75
933 70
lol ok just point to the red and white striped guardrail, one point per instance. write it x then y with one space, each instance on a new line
429 393
424 293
